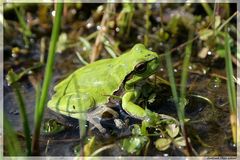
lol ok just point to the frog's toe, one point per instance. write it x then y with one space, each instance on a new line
99 127
119 123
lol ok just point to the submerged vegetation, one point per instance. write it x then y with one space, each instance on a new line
190 102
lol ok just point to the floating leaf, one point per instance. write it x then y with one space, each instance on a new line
172 130
163 144
51 126
136 130
134 144
152 98
13 77
205 34
180 141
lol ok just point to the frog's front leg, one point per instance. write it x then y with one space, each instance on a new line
130 107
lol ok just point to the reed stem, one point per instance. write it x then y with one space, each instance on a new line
231 88
47 78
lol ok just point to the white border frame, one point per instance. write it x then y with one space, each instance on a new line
1 79
116 1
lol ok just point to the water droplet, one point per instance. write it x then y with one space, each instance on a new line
139 37
99 28
232 145
30 72
84 48
89 25
73 11
148 119
214 83
14 55
76 149
204 71
165 155
209 53
117 29
53 13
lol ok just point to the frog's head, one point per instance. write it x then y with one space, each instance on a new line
145 62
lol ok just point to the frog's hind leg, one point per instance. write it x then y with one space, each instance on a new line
95 116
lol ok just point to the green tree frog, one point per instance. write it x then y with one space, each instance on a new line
87 92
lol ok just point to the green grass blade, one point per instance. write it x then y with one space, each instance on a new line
231 88
22 22
171 77
10 140
207 9
23 113
47 76
186 63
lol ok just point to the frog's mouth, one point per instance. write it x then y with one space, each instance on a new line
74 114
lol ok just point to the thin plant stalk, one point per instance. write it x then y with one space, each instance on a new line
23 113
227 21
26 30
82 122
22 22
174 89
171 78
183 86
101 33
179 101
47 77
125 18
186 63
109 146
207 9
231 88
11 141
147 24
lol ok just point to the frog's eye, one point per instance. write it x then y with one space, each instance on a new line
141 67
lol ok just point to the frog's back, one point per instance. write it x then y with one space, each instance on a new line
99 80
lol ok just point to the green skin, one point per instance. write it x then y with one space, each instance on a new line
85 93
